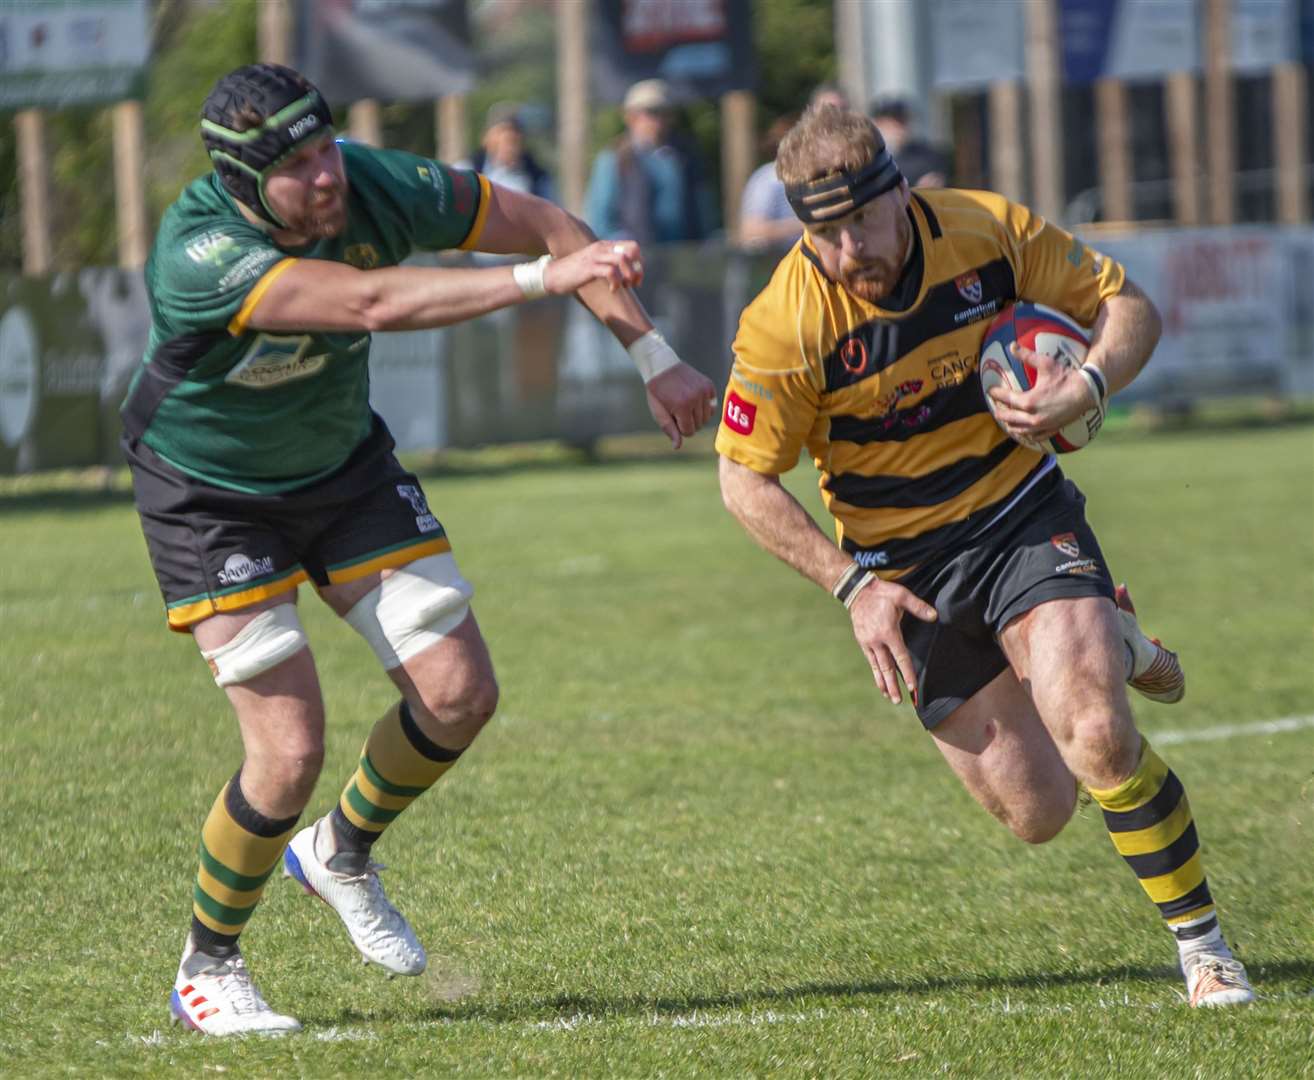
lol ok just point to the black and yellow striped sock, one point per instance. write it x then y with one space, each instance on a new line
398 764
1149 820
239 849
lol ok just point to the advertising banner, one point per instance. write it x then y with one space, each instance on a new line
974 43
1299 243
1264 33
703 48
1238 320
1225 299
393 50
55 53
1127 39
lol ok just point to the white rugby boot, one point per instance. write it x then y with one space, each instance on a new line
348 881
215 996
1156 672
1214 980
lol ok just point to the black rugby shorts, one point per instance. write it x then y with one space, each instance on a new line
1042 550
216 550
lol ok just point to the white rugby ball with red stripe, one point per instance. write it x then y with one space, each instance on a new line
1044 330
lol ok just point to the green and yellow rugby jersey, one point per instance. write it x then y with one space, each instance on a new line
260 412
885 397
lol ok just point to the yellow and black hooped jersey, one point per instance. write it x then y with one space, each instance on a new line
885 397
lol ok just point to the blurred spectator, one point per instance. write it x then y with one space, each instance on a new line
829 93
503 156
650 187
923 164
766 220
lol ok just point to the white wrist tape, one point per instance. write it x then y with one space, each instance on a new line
1099 388
529 276
652 355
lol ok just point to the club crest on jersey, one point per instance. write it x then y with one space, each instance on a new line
740 415
1066 544
362 256
969 286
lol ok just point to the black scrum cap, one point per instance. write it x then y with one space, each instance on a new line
290 111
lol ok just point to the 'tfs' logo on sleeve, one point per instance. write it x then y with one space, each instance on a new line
739 414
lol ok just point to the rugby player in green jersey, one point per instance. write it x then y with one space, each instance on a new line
258 464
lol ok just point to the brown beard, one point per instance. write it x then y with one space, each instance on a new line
870 289
328 222
873 288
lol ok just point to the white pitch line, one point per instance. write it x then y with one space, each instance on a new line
1234 731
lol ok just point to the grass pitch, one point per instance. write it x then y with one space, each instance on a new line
695 841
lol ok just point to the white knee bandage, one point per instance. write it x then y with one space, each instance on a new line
267 640
412 608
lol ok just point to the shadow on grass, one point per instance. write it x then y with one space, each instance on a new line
565 1006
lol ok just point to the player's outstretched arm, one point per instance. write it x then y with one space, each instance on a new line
680 398
778 522
316 294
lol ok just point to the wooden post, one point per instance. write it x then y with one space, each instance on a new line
1007 167
849 52
738 153
1290 120
1220 131
1113 138
1179 97
274 31
452 139
1044 75
967 139
34 184
573 101
129 186
365 122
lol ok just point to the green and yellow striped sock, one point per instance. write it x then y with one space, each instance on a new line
239 849
398 764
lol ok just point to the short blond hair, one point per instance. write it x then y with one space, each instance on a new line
827 140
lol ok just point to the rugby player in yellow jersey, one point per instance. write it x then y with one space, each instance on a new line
963 557
258 465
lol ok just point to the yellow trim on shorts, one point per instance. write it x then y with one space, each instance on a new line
389 560
481 215
238 324
185 616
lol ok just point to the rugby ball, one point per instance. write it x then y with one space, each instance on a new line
1043 330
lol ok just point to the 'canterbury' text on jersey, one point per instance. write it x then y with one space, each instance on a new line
885 396
264 412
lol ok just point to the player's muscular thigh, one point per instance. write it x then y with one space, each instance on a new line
1070 657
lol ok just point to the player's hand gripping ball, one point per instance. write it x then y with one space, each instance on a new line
1043 330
